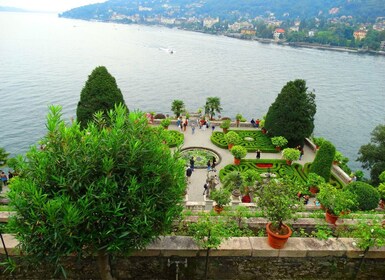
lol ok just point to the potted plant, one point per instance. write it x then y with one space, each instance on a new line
238 119
279 142
221 198
318 141
225 125
251 179
262 126
381 189
313 181
233 182
165 123
278 201
335 201
238 152
290 154
232 138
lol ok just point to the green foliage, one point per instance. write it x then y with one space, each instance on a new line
369 235
318 141
213 105
165 122
323 160
222 197
100 93
250 177
323 232
233 180
238 152
279 167
225 124
207 234
238 117
279 141
291 154
3 156
382 177
372 155
177 107
367 196
314 180
96 190
172 138
292 113
334 200
258 140
278 200
232 137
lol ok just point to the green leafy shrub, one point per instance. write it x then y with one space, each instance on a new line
232 137
336 201
318 141
279 141
238 152
367 196
291 154
165 122
314 180
221 197
225 124
323 160
173 138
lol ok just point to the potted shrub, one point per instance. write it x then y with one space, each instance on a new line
232 138
165 123
225 125
238 119
338 158
381 189
251 179
335 201
367 196
233 182
279 142
278 201
290 154
262 126
238 152
318 141
313 181
221 198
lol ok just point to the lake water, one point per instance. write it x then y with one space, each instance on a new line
46 60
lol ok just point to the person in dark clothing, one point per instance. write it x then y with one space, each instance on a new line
208 165
188 175
258 154
192 163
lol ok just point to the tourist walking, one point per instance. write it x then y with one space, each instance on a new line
301 153
206 189
4 178
208 165
258 154
192 163
192 128
188 175
212 128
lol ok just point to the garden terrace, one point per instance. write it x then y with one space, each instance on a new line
201 156
252 140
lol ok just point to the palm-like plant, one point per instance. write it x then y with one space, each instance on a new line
177 107
213 105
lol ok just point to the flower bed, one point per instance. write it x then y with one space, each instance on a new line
174 138
252 140
264 165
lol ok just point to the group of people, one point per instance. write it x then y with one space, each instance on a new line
4 178
255 123
203 124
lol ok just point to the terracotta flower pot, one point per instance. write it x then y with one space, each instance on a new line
237 161
275 240
218 209
230 146
330 218
314 189
288 162
277 148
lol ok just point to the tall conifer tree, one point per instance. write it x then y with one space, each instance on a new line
292 113
100 93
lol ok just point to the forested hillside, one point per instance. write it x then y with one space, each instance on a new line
362 10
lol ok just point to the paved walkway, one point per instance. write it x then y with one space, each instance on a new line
201 138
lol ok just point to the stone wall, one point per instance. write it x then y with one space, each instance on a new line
237 259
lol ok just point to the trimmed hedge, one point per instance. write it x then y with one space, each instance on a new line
260 141
335 181
323 161
174 138
279 167
367 196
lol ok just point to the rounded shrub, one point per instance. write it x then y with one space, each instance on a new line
367 196
323 160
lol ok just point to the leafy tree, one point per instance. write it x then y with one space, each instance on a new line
3 156
213 105
100 93
292 113
177 107
323 160
372 155
98 191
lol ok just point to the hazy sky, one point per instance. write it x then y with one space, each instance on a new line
47 5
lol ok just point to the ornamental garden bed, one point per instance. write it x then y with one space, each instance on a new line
252 140
201 156
173 138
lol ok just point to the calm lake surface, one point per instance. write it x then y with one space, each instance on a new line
46 60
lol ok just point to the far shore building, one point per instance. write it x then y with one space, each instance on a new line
248 32
359 34
278 34
209 22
